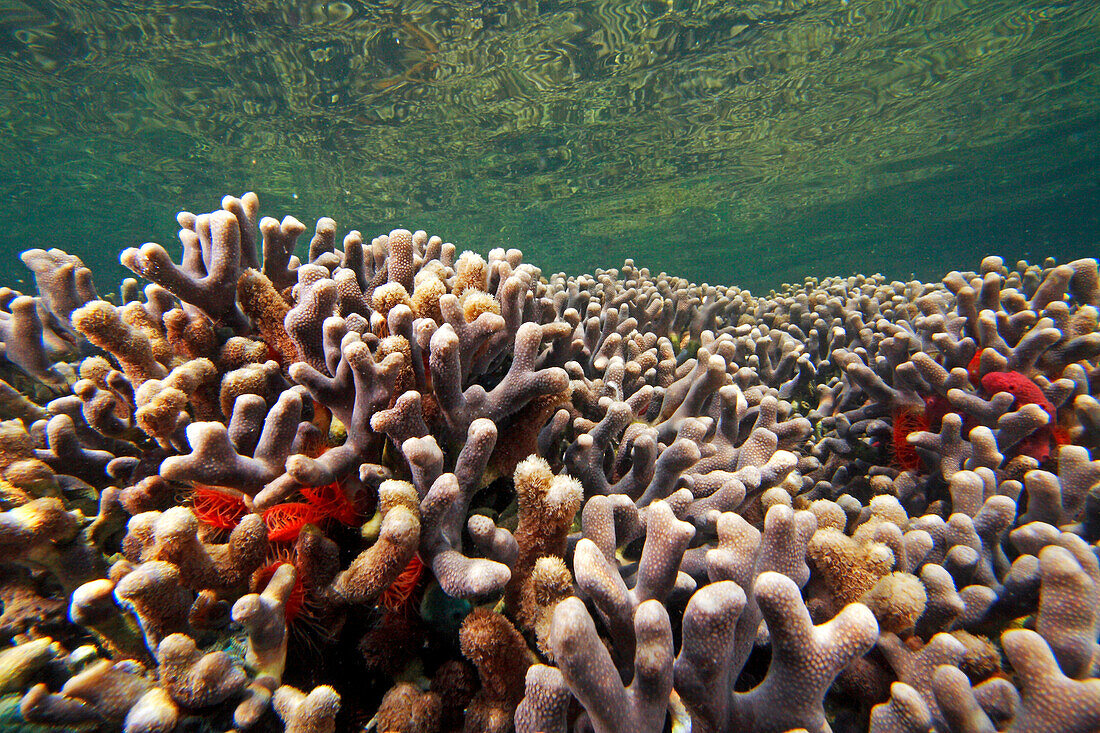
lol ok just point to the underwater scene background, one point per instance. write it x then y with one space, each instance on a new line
738 370
738 142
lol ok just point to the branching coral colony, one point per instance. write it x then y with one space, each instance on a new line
402 488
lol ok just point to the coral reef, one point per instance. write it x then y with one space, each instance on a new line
397 486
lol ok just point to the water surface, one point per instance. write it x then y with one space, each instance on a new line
747 142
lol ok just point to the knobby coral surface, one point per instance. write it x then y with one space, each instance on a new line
392 484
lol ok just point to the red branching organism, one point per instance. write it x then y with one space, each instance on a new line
908 419
297 595
935 408
218 508
331 501
973 369
285 521
1038 444
401 590
1019 386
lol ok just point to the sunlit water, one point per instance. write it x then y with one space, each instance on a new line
745 142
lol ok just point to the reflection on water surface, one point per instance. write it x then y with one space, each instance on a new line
748 141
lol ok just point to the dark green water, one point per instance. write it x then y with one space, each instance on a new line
747 142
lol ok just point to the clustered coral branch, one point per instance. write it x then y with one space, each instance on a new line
404 486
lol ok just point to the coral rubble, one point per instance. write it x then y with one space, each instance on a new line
399 486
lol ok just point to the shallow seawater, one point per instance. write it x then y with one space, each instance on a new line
405 486
749 142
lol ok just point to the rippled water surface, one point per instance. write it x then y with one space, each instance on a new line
748 142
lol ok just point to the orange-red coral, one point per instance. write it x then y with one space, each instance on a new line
399 592
331 501
908 419
1037 445
285 521
217 508
297 595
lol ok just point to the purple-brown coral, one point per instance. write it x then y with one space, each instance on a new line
403 485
